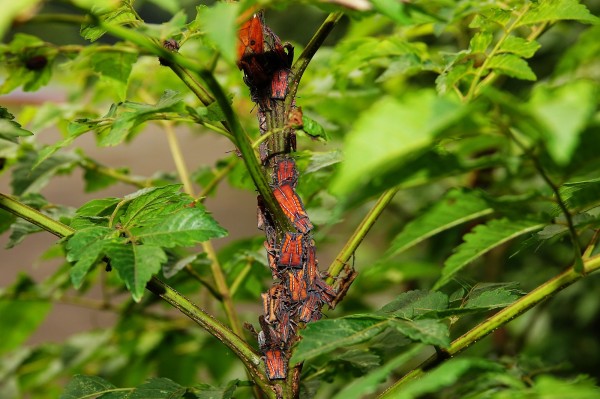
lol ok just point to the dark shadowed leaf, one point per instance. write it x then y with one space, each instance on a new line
482 239
457 207
413 304
158 388
84 387
20 318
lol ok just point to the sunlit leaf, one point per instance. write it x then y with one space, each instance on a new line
556 10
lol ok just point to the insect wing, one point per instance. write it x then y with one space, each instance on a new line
291 253
251 38
275 364
286 172
309 308
297 286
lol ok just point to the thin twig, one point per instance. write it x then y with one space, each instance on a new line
541 293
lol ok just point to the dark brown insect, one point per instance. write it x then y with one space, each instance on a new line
312 271
273 303
272 260
285 328
326 292
291 254
292 207
343 286
286 172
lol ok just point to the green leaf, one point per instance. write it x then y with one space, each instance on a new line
74 130
85 387
412 304
359 387
457 207
482 239
152 202
480 42
20 318
557 10
85 247
427 331
324 336
9 129
136 264
21 229
221 29
27 180
205 391
394 10
511 65
564 111
423 114
109 14
158 388
185 228
443 376
114 67
580 194
492 296
314 129
124 122
519 46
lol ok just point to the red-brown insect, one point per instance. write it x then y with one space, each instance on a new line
275 364
279 84
273 303
251 40
285 328
286 172
327 293
292 207
291 254
309 310
296 285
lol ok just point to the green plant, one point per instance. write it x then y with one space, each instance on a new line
470 125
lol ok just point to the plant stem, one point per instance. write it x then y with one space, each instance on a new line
359 234
251 359
218 177
499 319
309 51
139 182
245 146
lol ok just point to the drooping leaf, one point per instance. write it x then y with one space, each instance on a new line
564 111
366 384
580 194
158 388
314 129
511 65
20 318
412 304
492 296
137 114
482 239
27 180
111 13
9 129
205 391
519 46
136 264
114 67
557 10
85 247
427 331
457 207
324 336
83 387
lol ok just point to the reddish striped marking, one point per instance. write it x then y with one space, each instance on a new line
291 253
286 172
279 84
292 207
296 286
275 363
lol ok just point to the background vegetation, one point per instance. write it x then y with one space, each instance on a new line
449 154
